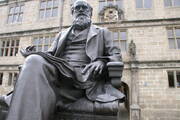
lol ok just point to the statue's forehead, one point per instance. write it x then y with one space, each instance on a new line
80 3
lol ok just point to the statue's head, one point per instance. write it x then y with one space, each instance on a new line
82 13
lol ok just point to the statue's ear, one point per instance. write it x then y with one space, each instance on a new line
72 10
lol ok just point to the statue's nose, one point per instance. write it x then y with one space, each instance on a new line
81 9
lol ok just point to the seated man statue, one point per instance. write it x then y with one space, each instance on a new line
72 71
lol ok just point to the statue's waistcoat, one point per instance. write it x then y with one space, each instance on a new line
74 51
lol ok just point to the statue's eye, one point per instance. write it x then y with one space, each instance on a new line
77 7
83 7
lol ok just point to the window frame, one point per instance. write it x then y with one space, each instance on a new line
172 4
43 44
1 78
143 5
10 48
48 8
14 13
106 4
173 29
120 39
14 76
174 78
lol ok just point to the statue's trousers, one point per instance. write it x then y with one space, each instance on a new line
34 98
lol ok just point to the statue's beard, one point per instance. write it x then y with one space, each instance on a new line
81 22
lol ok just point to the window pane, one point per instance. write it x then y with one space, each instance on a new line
46 40
178 43
115 35
171 79
11 11
55 12
170 33
110 2
17 42
7 43
52 39
172 44
101 5
178 79
147 3
10 79
177 32
40 41
139 3
55 4
20 17
41 14
3 44
167 3
10 19
35 41
123 45
119 3
11 51
15 78
15 18
12 43
45 47
49 4
176 2
16 51
1 78
17 9
22 8
48 13
43 5
1 52
116 43
39 48
123 36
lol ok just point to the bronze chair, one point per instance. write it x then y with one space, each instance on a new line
99 111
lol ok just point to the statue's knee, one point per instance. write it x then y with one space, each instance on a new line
34 60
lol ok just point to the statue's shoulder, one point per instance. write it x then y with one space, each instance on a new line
101 28
98 27
65 30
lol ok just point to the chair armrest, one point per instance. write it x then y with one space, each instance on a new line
115 70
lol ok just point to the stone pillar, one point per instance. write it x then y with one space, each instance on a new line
61 11
134 104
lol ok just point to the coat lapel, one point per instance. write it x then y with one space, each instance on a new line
92 32
61 42
92 43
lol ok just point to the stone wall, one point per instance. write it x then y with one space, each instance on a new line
157 100
146 27
30 20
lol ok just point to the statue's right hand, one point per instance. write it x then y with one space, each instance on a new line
95 68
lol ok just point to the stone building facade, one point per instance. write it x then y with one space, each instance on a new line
147 31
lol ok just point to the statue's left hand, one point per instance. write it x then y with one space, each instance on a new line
95 68
27 51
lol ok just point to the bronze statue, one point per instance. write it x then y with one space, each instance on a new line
73 71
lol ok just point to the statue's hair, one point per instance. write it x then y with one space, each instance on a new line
90 7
